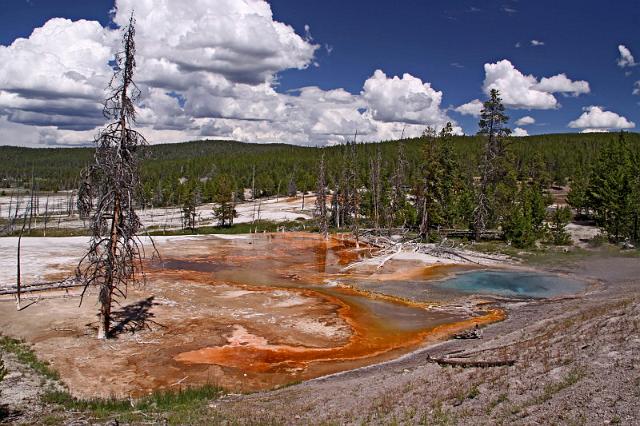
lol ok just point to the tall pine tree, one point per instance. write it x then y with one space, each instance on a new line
494 163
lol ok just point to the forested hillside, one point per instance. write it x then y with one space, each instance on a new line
174 170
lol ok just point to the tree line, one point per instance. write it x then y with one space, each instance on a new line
173 172
502 194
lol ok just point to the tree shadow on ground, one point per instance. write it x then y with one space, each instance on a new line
134 317
7 415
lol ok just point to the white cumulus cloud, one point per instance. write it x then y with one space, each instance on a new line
594 117
405 99
471 108
519 132
57 76
238 39
525 91
626 59
594 131
537 43
562 84
525 121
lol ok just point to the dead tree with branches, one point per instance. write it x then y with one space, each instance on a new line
112 182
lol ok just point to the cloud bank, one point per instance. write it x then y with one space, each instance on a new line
208 70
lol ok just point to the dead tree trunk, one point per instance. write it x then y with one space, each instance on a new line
467 363
114 258
321 200
18 272
46 215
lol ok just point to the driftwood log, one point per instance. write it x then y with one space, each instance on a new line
30 288
469 363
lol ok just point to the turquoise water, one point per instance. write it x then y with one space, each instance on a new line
513 284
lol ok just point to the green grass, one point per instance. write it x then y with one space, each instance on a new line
188 403
52 232
26 356
240 228
573 377
542 256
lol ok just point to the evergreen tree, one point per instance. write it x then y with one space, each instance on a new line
189 214
558 220
224 198
494 162
428 187
451 180
375 188
577 196
610 193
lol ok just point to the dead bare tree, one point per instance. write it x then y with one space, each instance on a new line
354 200
114 257
375 164
29 209
398 197
321 200
46 215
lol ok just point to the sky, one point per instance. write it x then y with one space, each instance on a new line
315 72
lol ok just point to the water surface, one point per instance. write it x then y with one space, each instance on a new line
513 284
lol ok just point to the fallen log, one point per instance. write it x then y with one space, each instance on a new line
467 363
60 285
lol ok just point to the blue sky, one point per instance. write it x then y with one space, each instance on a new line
425 38
336 46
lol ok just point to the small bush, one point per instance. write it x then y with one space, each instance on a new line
599 240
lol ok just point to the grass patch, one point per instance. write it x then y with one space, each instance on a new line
177 405
185 406
240 228
551 389
51 232
542 256
573 377
26 356
494 403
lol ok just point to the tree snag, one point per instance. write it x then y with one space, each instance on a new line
321 200
112 182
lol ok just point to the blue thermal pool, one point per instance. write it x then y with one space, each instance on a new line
513 284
